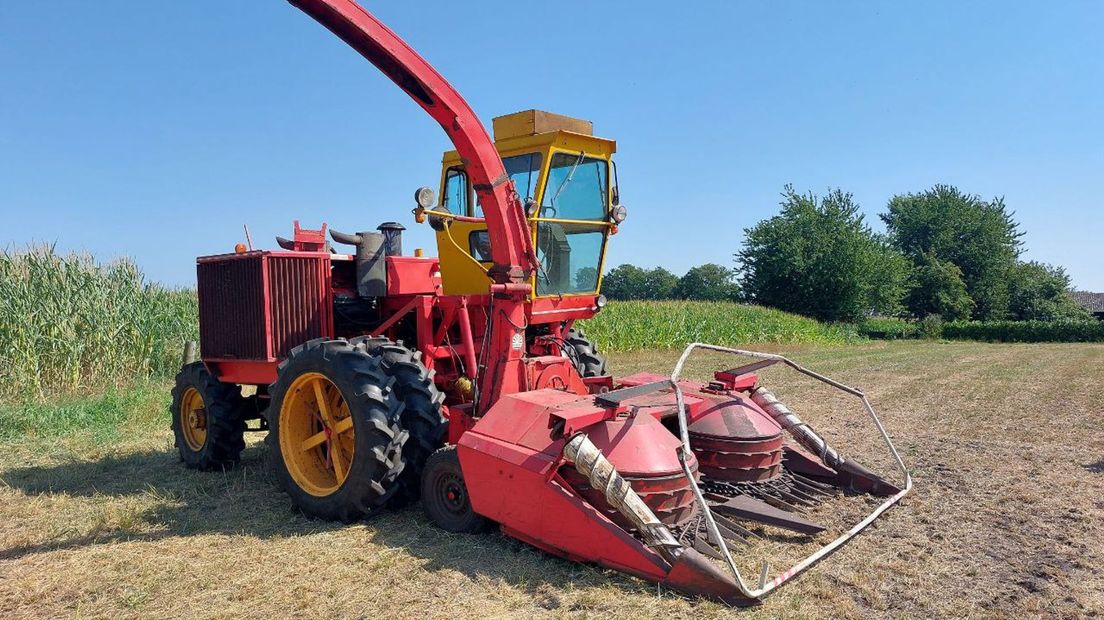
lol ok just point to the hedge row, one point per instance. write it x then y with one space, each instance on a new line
1025 331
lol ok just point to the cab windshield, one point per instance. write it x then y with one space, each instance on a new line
576 188
569 246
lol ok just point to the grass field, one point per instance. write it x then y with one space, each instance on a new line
1006 521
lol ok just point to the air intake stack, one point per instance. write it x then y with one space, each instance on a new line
371 261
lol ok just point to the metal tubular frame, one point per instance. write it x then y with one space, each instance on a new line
765 587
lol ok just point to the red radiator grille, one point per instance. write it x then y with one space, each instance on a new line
299 299
259 305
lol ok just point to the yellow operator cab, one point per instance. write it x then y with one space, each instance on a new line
565 178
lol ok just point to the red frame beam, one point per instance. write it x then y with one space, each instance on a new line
511 246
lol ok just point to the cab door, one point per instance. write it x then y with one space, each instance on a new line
464 248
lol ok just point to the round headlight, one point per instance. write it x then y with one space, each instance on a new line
618 214
600 302
424 197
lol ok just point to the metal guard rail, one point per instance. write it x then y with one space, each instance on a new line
765 587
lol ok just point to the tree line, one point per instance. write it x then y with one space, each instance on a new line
709 282
944 253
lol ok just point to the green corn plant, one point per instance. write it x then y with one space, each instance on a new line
635 325
70 324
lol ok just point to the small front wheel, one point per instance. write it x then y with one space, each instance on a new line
207 419
445 496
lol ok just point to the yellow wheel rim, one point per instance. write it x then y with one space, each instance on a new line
193 420
316 434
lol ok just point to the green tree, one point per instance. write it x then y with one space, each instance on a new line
818 258
888 278
936 289
659 284
1040 292
977 236
586 278
631 282
624 282
711 282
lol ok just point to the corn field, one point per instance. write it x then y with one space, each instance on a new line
69 324
635 325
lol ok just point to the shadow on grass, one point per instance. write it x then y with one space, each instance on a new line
245 501
179 501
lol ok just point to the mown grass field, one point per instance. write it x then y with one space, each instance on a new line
99 519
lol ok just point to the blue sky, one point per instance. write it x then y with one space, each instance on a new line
156 129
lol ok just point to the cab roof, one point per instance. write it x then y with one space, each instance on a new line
531 130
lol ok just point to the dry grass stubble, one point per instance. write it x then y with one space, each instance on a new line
1006 519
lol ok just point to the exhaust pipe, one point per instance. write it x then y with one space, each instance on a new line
370 260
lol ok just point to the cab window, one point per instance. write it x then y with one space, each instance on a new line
569 256
479 245
524 171
577 188
455 197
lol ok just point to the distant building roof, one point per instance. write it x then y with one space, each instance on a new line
1093 302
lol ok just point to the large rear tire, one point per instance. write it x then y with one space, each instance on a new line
588 361
421 416
334 430
207 419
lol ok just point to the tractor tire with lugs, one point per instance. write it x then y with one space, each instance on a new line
207 422
421 416
334 431
588 361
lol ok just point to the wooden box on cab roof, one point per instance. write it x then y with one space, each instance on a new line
532 122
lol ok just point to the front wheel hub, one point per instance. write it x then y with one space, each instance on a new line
317 438
197 419
193 419
455 495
